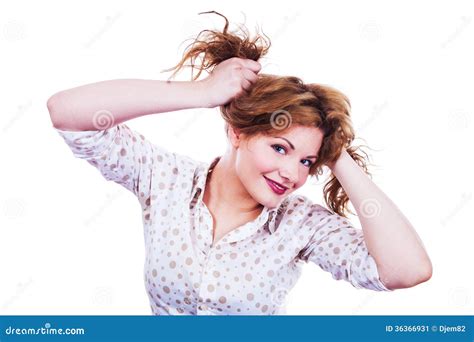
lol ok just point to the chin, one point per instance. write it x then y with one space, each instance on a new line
273 201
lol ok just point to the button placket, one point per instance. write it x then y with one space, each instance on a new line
246 230
202 222
203 293
207 279
206 232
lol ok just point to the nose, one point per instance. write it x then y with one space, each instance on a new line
289 173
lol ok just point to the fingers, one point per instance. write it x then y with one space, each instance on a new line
249 69
249 75
252 65
245 84
249 64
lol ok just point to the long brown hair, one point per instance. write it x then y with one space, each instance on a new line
273 103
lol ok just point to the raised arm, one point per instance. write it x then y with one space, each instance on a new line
391 239
108 103
91 106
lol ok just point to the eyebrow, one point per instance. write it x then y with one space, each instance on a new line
293 147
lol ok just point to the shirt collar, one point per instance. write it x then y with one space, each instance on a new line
201 177
203 170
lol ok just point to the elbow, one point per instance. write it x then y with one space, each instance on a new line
423 275
53 102
54 105
408 278
426 273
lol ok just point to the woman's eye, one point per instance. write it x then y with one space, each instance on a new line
278 148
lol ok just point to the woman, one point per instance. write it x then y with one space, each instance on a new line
229 237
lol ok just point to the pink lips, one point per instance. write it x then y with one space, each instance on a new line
276 189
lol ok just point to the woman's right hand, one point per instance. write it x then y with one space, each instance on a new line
230 79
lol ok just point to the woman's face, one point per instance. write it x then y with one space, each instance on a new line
284 158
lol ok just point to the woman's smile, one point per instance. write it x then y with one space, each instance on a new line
276 187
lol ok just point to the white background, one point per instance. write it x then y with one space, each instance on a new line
72 243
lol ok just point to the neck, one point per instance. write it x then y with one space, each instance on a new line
227 191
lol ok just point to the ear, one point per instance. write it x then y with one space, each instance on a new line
235 136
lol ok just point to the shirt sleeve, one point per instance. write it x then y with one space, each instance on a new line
122 155
339 248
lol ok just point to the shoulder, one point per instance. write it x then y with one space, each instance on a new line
300 213
300 205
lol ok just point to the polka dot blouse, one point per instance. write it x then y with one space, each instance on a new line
253 267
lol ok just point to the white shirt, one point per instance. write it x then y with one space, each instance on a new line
253 267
